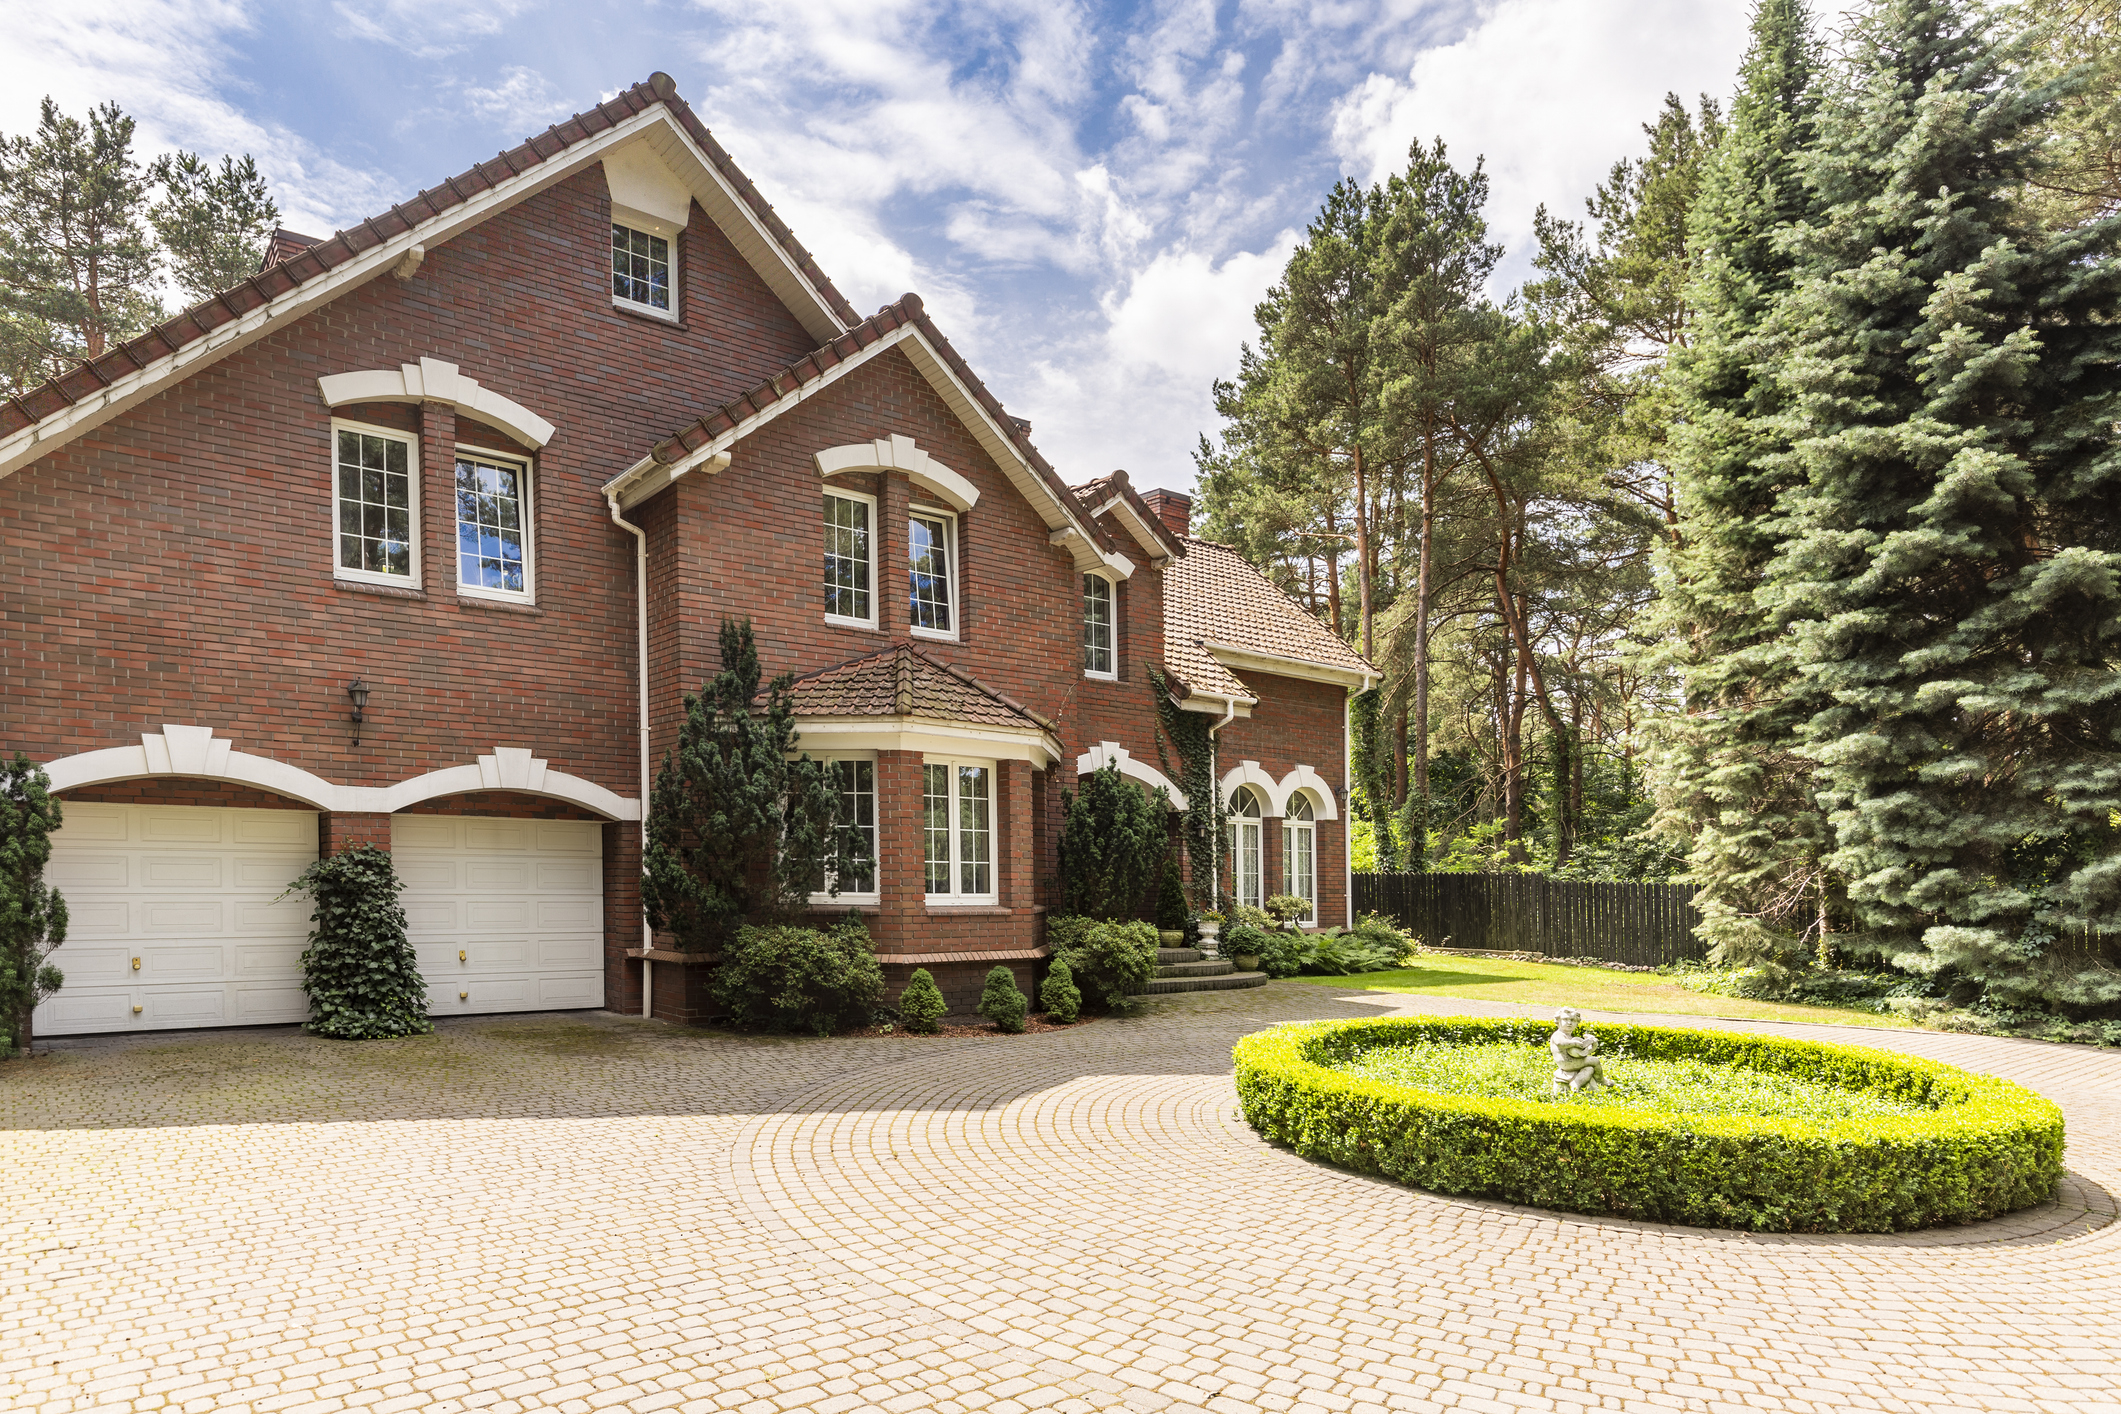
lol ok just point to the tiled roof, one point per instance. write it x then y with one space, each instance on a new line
903 681
1214 595
815 366
299 267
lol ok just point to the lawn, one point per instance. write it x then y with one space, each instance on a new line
1594 988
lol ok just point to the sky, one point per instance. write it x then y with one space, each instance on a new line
1091 198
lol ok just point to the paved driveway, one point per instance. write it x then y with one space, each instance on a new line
589 1212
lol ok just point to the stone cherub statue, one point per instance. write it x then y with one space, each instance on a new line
1577 1064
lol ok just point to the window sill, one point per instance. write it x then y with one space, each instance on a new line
932 635
1100 677
647 311
858 625
978 908
388 591
868 902
506 606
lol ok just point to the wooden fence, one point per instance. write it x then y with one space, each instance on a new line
1647 925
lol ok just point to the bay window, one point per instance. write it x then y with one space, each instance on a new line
957 814
853 785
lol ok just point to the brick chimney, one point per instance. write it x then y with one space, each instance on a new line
1174 509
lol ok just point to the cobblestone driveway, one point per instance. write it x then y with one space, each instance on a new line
584 1213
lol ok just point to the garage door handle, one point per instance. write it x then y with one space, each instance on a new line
460 997
463 955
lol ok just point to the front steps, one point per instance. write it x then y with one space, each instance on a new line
1185 970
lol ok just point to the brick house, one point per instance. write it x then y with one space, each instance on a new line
418 537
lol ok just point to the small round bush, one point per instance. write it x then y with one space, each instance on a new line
1110 961
1919 1143
921 1005
799 979
1001 1003
362 976
1059 995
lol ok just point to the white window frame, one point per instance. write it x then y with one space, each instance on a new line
1255 825
876 860
411 441
956 895
951 576
670 246
1111 625
528 593
825 526
1306 826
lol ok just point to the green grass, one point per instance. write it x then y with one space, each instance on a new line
1682 1086
1597 988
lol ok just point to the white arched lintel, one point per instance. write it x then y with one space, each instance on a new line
1111 753
1250 774
900 453
1304 779
431 380
196 752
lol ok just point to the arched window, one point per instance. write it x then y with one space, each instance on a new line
1246 873
1299 835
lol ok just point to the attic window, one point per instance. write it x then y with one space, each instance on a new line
640 271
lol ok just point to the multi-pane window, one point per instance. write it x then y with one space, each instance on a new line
931 572
1245 829
493 524
1300 851
854 788
957 809
1098 657
640 268
375 505
847 559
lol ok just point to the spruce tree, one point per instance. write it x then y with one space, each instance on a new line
32 914
1951 571
1732 786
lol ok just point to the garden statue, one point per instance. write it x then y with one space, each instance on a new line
1577 1063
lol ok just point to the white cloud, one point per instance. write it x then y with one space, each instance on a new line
521 99
427 29
1552 92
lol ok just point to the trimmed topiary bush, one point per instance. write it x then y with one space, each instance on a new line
1974 1147
1171 906
362 976
799 979
1110 961
1001 1003
1059 995
921 1005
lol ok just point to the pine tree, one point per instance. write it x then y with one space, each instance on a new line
32 914
1952 569
1734 789
76 265
739 828
213 224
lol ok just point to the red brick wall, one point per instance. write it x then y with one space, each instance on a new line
1296 723
181 790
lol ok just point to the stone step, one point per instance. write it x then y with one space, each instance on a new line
1227 982
1206 967
1170 955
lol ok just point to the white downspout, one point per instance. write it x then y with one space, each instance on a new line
1347 814
1215 762
640 620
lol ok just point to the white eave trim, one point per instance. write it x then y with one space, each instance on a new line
1144 536
928 735
1234 657
431 380
132 389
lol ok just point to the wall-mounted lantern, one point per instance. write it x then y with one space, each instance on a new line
358 691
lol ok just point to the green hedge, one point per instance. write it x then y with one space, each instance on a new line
1984 1147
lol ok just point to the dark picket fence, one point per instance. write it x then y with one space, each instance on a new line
1646 925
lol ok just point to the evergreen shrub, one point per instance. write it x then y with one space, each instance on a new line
1001 1003
1059 995
1979 1147
32 914
1112 840
1109 961
1171 909
785 978
1282 953
362 976
921 1005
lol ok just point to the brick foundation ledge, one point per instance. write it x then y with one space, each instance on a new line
686 959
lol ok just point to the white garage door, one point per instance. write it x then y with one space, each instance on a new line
172 918
507 915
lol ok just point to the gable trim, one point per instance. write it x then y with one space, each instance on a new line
431 380
899 453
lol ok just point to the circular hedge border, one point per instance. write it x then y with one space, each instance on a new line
1985 1147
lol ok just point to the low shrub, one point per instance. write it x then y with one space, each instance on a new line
1059 995
1001 1003
1973 1148
921 1005
1281 953
1285 909
362 976
786 978
1337 954
1110 961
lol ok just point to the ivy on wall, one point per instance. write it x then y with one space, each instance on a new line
1188 734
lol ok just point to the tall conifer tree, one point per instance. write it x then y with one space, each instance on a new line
1732 784
1951 571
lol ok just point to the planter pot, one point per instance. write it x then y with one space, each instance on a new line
1171 937
1246 962
1208 943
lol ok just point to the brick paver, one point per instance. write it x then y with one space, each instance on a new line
595 1213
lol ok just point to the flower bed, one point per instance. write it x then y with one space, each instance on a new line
1936 1145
